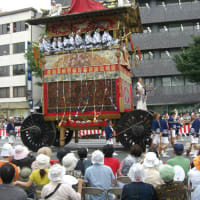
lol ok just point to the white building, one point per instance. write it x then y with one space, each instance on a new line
15 34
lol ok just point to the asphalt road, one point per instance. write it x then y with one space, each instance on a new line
93 144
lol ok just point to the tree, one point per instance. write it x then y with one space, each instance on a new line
35 61
188 61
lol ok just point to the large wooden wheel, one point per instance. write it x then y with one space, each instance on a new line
135 128
36 132
68 137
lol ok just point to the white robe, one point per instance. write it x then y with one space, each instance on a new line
141 101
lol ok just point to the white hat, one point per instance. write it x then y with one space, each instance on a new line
7 150
151 160
179 173
42 161
136 173
69 161
21 152
56 173
97 157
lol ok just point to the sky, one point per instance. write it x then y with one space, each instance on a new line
9 5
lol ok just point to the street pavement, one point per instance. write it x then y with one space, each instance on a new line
93 144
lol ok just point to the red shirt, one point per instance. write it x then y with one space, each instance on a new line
113 163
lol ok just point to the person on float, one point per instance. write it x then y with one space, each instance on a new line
107 39
172 127
79 43
41 46
56 9
140 92
89 40
97 38
66 43
164 135
109 132
71 41
54 44
60 44
194 131
156 130
46 44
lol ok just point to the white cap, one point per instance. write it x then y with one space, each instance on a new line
151 160
69 161
7 150
136 173
179 173
97 157
42 161
56 173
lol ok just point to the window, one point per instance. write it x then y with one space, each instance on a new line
4 71
4 50
4 29
19 69
4 92
165 54
148 55
19 26
178 81
188 82
172 1
19 47
149 82
174 27
158 82
19 91
166 81
163 28
188 26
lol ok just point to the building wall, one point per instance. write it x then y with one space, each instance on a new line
12 105
168 27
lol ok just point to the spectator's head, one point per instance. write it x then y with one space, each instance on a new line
69 161
21 152
156 115
97 157
136 173
136 150
11 119
178 149
82 153
151 160
194 116
167 173
165 116
108 150
25 172
7 173
196 162
109 122
56 173
42 161
173 114
45 151
7 151
62 152
140 80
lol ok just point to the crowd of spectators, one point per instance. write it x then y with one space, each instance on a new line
63 179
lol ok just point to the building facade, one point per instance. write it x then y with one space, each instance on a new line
15 35
168 27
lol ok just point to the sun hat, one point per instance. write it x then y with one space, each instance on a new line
97 157
56 173
24 174
196 162
69 161
7 150
151 160
179 173
42 161
167 173
45 150
136 173
21 152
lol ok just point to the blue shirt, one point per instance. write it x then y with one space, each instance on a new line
156 126
172 124
178 126
99 176
195 127
164 128
108 132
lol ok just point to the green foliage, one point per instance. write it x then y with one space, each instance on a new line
188 61
34 67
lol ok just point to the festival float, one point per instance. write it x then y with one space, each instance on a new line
86 75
